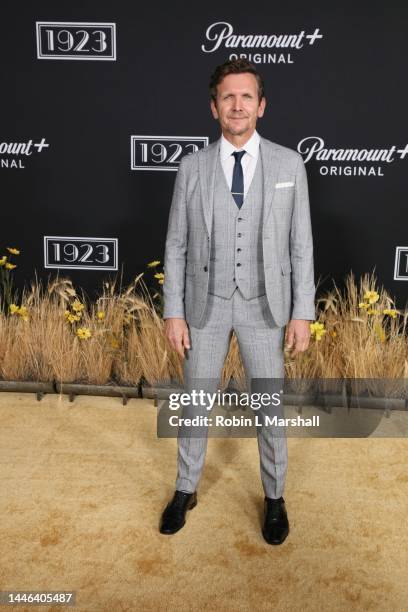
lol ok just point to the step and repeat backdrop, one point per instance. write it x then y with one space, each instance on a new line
101 100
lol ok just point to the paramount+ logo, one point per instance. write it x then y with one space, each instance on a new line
351 161
14 155
270 48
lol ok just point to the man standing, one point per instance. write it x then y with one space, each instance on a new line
238 256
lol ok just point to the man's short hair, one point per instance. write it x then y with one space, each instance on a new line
236 66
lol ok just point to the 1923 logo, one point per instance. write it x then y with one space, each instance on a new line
401 263
76 40
163 152
84 253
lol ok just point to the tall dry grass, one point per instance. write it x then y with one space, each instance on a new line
128 344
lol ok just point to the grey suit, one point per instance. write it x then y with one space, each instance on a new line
238 269
286 237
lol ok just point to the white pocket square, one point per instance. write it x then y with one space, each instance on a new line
287 184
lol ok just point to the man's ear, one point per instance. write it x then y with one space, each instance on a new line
261 108
214 109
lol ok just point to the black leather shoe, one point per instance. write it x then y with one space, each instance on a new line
174 514
276 524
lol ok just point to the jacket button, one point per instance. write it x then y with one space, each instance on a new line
239 219
239 249
205 269
238 264
239 235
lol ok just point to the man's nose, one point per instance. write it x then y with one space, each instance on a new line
237 103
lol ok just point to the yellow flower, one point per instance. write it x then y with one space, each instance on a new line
153 264
334 334
66 313
161 281
391 312
159 275
22 311
317 330
364 305
77 306
3 260
10 266
13 251
314 327
83 332
371 296
372 311
114 343
100 315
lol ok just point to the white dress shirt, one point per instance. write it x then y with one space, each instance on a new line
248 161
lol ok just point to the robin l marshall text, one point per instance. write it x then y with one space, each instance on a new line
235 421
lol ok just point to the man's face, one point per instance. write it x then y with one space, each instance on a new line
237 107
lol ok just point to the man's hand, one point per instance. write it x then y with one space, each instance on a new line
297 336
176 331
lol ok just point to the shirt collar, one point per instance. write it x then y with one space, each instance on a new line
251 146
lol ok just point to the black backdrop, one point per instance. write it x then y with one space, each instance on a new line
347 89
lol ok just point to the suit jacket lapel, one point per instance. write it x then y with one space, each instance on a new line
207 167
271 161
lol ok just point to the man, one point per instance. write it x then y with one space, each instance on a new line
238 252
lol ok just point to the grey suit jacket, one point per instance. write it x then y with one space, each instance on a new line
287 235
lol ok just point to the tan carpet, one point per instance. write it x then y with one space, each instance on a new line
83 486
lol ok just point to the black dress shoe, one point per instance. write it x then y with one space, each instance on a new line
174 514
276 524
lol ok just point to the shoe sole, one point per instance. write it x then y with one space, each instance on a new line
181 526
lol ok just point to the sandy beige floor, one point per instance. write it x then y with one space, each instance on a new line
83 486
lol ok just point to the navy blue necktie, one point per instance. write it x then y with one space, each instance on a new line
237 188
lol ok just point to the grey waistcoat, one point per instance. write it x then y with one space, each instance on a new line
237 239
